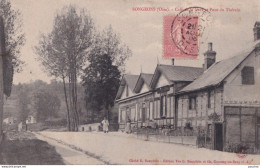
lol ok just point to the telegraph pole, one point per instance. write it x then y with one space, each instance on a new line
2 52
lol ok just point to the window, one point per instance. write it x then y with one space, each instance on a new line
148 111
151 110
192 103
248 75
122 116
168 107
172 107
143 114
136 112
188 125
128 114
232 111
163 106
209 99
132 115
209 129
157 109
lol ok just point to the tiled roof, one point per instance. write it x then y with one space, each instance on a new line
131 80
180 73
143 78
147 78
217 72
128 79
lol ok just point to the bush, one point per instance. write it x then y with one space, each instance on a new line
202 143
237 148
113 127
56 123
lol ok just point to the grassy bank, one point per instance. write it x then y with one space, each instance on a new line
22 148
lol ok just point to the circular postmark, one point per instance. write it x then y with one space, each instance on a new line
190 28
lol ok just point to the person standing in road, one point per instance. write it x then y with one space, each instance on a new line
105 124
128 127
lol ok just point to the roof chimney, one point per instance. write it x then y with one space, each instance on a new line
209 57
209 46
172 61
256 30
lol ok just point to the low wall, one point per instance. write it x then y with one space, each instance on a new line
90 127
185 140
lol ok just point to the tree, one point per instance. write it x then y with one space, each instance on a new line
11 39
108 42
63 53
24 101
14 40
107 49
101 81
46 105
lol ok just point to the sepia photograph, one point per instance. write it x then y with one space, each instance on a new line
133 82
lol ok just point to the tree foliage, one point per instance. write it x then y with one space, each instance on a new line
46 105
101 77
74 44
101 81
24 101
14 40
63 53
68 41
108 42
14 36
27 103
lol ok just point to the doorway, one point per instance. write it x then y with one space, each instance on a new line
218 145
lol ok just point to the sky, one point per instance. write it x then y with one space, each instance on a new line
142 31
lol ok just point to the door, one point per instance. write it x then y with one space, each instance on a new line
218 137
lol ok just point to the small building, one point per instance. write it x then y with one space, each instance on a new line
84 128
224 102
90 127
31 119
9 120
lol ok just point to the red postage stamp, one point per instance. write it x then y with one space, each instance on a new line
182 32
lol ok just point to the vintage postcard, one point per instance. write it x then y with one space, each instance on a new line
148 82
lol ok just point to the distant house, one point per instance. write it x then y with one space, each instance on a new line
90 127
30 120
10 120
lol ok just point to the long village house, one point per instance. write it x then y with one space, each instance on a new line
220 101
